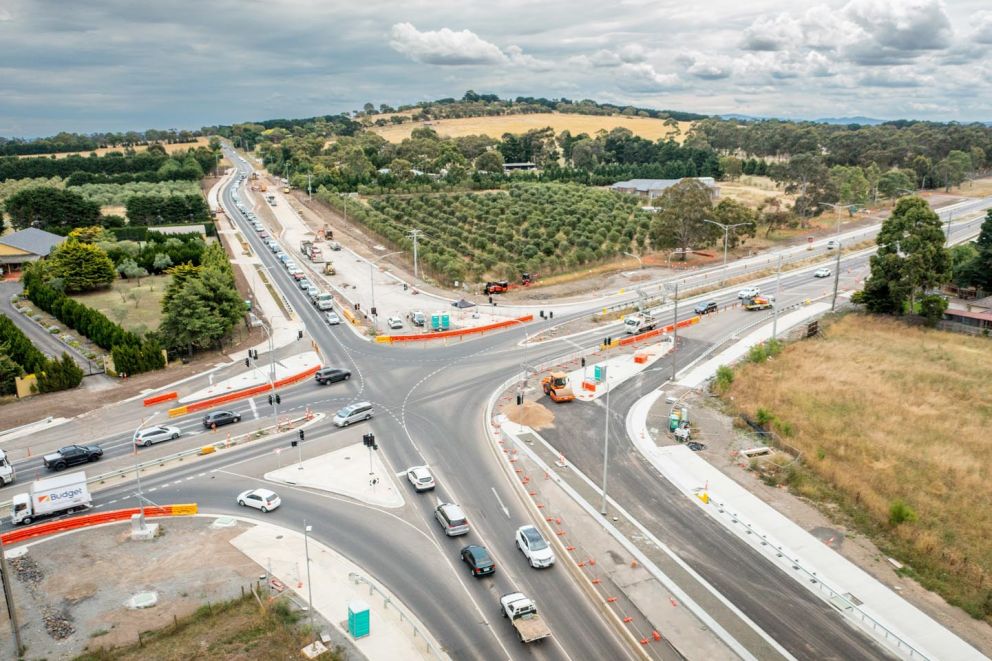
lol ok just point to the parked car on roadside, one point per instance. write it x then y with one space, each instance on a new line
394 323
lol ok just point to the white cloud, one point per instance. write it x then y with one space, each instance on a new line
893 77
982 33
605 59
517 57
642 77
444 46
633 53
902 25
772 34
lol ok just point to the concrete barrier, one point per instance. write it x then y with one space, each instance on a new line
241 394
73 523
461 332
158 399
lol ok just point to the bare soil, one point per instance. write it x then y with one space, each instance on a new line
532 414
86 577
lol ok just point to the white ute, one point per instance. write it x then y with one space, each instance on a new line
522 612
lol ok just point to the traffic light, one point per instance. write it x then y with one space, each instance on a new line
369 441
270 400
278 399
373 312
299 335
520 399
293 444
254 354
301 434
247 362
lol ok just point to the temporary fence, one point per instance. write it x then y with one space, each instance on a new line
72 523
241 394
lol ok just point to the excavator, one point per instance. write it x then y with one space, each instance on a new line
556 387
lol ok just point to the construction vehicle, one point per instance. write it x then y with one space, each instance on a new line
496 287
329 269
639 322
527 279
305 247
757 303
522 612
285 189
316 255
556 387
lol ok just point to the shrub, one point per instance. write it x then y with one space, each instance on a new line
724 377
763 417
900 512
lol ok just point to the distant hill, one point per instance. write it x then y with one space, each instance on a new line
864 121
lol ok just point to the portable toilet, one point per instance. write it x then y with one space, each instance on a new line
358 619
445 321
674 419
597 372
435 321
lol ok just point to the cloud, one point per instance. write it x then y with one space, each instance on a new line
642 77
772 34
605 59
444 47
902 25
517 57
982 33
633 53
896 77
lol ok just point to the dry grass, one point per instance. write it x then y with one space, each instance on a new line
201 141
977 188
884 412
145 313
753 190
646 127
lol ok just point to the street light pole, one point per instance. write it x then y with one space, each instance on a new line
833 302
137 471
306 549
640 262
272 367
372 263
675 328
726 234
606 436
778 288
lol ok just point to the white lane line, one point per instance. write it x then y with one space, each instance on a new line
251 405
503 507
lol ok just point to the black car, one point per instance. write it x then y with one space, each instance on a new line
707 307
331 374
478 560
72 455
219 418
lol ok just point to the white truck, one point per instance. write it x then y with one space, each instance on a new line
324 301
522 613
6 470
51 496
639 322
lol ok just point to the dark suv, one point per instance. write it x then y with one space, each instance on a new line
707 307
331 374
219 418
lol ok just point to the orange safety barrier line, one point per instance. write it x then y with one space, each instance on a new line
658 331
86 520
158 399
457 333
245 393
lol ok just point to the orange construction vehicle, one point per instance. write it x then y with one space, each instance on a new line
556 387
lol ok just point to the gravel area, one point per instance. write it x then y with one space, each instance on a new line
71 590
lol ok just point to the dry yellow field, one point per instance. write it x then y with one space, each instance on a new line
646 127
884 412
169 148
753 191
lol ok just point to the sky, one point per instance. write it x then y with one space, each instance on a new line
117 65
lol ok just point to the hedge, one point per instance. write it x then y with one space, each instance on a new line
53 374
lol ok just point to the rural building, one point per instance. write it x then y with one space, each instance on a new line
967 321
519 167
28 245
652 188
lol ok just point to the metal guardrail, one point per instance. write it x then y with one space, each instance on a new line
433 648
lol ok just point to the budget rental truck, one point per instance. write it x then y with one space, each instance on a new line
51 496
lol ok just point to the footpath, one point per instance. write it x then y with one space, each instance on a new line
395 633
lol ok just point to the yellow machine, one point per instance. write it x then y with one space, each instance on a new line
556 387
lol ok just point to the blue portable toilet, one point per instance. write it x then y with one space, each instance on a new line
435 321
445 322
597 372
359 619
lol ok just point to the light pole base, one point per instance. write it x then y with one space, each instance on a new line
141 531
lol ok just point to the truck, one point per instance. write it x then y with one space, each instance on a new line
324 301
639 322
757 303
6 470
50 496
305 247
316 255
522 613
71 455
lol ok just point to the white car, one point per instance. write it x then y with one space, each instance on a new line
420 477
150 435
332 318
395 323
535 548
260 499
821 273
831 244
748 292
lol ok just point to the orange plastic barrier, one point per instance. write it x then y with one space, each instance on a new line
456 333
640 358
589 385
72 523
241 394
658 331
158 399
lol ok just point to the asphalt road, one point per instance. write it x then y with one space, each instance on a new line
429 403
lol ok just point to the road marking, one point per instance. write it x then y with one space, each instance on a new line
251 405
503 507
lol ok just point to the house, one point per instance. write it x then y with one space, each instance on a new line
652 188
27 245
976 323
518 167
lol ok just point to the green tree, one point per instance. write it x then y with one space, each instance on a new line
93 234
9 370
911 257
732 212
80 266
679 221
61 374
732 166
977 272
953 169
161 261
807 176
850 183
490 161
128 269
894 183
51 209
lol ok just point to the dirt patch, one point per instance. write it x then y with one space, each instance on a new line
71 590
531 414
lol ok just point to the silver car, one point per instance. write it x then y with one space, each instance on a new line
332 318
149 435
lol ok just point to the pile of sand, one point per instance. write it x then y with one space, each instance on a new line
533 415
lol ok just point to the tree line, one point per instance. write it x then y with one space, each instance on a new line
152 164
19 356
69 142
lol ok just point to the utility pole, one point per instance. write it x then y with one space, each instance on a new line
309 187
606 437
833 303
415 234
8 595
306 550
778 288
675 329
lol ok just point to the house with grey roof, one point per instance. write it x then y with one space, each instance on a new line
652 188
27 245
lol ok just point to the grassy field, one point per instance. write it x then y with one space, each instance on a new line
893 425
753 191
169 148
145 312
646 127
240 629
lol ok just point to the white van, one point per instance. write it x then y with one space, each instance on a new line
353 413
